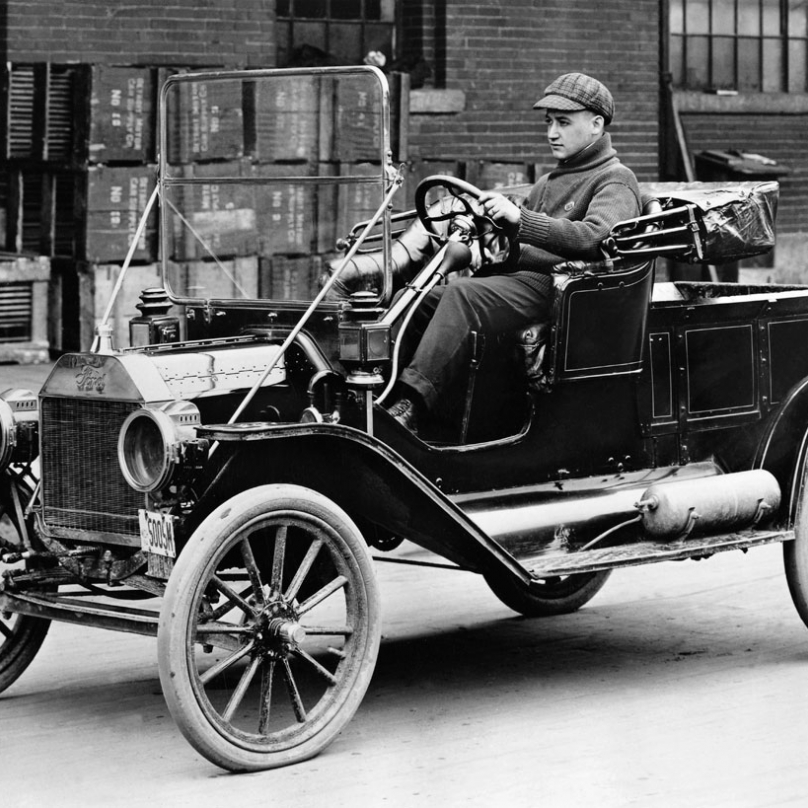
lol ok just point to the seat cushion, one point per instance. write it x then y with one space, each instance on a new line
531 346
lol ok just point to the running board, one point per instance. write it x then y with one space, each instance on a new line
629 555
85 613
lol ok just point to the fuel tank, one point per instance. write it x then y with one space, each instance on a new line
672 510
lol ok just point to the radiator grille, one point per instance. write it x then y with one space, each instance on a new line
82 484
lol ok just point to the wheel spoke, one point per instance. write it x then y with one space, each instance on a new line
323 671
303 569
267 676
278 555
228 605
252 570
222 628
224 664
5 630
227 636
294 693
319 596
241 688
234 597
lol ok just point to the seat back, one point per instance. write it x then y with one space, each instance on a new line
599 319
597 326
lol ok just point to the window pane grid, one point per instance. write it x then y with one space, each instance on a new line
342 31
745 45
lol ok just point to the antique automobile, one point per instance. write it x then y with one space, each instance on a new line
229 479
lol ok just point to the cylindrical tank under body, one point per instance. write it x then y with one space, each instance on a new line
727 502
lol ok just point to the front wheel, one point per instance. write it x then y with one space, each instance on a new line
561 594
21 635
270 629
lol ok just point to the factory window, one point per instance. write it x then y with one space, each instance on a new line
313 33
411 35
739 45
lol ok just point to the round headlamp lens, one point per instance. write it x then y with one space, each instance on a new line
144 450
7 434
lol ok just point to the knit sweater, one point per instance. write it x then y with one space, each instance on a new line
572 209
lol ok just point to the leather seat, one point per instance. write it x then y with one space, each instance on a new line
597 328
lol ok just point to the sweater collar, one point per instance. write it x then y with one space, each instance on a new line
597 153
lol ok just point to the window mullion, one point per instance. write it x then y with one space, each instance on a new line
785 69
710 44
363 25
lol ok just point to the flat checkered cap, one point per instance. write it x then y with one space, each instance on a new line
576 91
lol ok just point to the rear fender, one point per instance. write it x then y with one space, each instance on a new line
784 448
366 478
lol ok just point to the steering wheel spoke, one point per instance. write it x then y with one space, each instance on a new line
465 193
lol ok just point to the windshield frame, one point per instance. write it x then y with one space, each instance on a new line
167 180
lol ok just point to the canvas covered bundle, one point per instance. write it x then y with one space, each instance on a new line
700 222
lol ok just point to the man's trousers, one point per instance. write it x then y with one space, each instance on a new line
490 305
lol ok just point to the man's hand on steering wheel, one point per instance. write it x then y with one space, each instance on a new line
466 212
504 212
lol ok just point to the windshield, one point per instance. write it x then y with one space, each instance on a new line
262 172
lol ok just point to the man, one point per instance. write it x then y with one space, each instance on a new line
566 216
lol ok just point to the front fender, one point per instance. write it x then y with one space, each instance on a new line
364 476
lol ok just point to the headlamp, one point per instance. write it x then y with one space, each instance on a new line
156 447
19 427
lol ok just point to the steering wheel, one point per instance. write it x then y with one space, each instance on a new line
459 190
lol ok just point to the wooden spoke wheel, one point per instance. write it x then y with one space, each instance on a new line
554 595
270 628
795 555
21 636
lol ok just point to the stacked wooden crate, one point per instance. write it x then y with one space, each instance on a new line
282 137
79 169
213 220
309 127
115 154
24 309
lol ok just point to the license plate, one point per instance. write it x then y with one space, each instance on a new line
157 533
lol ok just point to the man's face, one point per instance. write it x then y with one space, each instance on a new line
569 132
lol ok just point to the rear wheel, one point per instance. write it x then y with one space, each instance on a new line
561 594
270 628
795 555
21 636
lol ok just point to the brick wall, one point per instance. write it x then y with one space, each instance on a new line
502 55
230 33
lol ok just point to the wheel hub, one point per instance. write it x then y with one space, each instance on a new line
287 631
277 626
